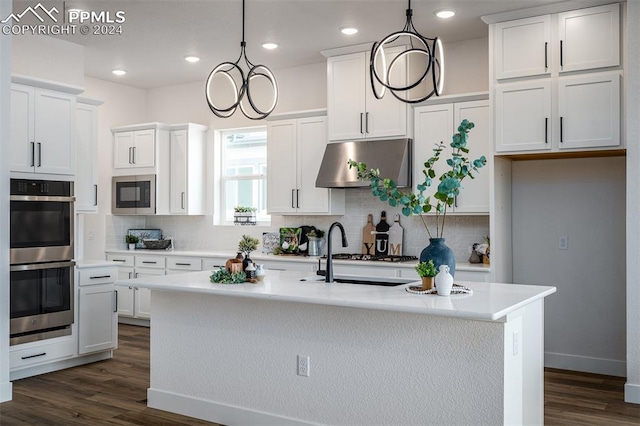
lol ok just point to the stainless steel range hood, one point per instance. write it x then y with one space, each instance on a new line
391 156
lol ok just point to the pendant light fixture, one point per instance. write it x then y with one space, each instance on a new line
232 73
418 45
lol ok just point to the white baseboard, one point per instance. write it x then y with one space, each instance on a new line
6 390
141 322
610 367
213 411
632 393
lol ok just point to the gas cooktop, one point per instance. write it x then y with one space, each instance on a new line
378 258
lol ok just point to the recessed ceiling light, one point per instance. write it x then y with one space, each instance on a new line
270 46
118 72
191 59
349 30
444 13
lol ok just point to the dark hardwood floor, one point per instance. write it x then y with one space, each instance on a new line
113 392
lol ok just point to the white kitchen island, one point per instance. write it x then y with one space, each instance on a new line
378 355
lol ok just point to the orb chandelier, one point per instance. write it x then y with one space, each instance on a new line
418 45
240 84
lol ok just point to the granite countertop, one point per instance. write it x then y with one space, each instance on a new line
257 256
489 301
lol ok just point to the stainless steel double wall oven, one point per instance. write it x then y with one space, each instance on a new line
41 255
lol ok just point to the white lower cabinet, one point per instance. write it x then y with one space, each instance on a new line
97 310
41 352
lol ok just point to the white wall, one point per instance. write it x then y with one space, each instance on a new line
5 96
122 105
466 66
49 59
632 82
583 199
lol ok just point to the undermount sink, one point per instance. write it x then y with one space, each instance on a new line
355 279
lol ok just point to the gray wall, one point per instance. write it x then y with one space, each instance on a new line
583 199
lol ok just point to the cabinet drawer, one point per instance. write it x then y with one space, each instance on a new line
211 263
150 262
184 263
92 276
21 358
121 259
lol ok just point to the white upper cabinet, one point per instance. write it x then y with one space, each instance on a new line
353 111
438 123
523 116
42 131
187 169
571 41
295 148
589 38
134 149
589 110
522 47
86 182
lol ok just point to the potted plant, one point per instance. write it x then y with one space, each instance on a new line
244 215
427 272
131 240
316 241
247 244
434 193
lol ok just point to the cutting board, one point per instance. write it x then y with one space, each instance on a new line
368 236
395 237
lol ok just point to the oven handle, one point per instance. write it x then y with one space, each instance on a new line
36 266
41 198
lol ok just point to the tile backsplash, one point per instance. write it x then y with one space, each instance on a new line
198 232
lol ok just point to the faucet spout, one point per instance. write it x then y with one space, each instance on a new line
329 274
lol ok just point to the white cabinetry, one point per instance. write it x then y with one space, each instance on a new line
187 169
86 181
180 265
436 123
42 131
97 309
353 111
134 149
563 105
294 152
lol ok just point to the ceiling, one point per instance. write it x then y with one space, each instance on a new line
157 34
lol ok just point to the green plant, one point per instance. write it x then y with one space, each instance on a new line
315 233
240 209
447 184
247 244
222 276
131 239
426 269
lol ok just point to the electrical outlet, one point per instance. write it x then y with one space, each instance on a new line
564 243
92 235
516 343
303 365
469 249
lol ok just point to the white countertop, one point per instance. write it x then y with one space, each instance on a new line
258 256
489 301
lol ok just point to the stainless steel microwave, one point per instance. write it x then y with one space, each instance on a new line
133 194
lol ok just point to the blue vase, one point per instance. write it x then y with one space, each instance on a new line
438 251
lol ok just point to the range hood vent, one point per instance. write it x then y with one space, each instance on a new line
391 156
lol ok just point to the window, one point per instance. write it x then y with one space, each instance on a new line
244 172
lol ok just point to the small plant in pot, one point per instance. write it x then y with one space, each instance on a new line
427 272
131 240
246 245
435 194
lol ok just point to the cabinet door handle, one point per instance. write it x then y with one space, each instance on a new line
118 260
39 154
34 356
293 206
130 148
149 261
546 130
182 200
561 122
129 276
366 123
561 54
361 123
99 277
33 154
183 264
455 201
297 198
136 274
134 155
115 293
546 63
95 187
